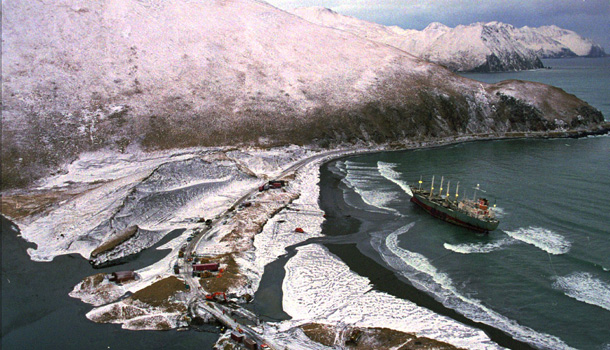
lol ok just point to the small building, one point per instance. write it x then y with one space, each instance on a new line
237 337
122 276
250 344
206 267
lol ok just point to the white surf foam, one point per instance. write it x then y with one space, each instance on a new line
542 238
359 179
585 287
424 275
480 247
387 171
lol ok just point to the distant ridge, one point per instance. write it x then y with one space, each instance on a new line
478 47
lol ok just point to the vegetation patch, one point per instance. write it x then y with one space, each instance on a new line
358 338
320 333
222 281
93 281
19 206
159 293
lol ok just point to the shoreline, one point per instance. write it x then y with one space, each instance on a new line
319 160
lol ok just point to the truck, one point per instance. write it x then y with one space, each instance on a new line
272 184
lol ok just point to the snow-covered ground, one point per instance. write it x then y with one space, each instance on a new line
158 191
318 287
321 288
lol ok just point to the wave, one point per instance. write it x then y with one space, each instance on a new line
351 165
360 178
542 238
377 199
425 276
471 248
387 171
584 287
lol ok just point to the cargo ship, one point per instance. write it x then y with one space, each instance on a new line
473 214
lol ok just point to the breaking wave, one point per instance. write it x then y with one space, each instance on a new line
471 248
542 238
585 287
387 171
425 276
359 179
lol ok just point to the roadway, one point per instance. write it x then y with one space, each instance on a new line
215 309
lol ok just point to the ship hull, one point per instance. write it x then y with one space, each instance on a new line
453 216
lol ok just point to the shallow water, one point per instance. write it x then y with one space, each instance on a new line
37 312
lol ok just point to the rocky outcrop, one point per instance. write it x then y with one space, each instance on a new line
510 62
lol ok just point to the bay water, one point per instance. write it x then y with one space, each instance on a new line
543 277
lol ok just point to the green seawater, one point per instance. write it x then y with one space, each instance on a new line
543 276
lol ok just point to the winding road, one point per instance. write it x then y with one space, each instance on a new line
220 312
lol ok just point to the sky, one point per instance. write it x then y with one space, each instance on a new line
589 18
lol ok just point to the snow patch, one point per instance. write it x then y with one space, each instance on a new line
321 288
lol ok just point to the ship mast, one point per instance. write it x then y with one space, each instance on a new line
448 185
457 188
431 187
420 182
475 192
440 191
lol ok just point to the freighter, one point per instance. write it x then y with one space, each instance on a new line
473 214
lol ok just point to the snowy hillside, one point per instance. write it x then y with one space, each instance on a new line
80 75
492 46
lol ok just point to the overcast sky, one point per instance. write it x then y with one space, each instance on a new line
589 18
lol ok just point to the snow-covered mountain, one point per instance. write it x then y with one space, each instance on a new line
552 41
486 47
82 75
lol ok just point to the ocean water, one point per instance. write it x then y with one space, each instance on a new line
543 277
587 78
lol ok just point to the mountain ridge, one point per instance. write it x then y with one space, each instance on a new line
79 75
479 47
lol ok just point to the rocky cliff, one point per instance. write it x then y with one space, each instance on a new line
81 75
